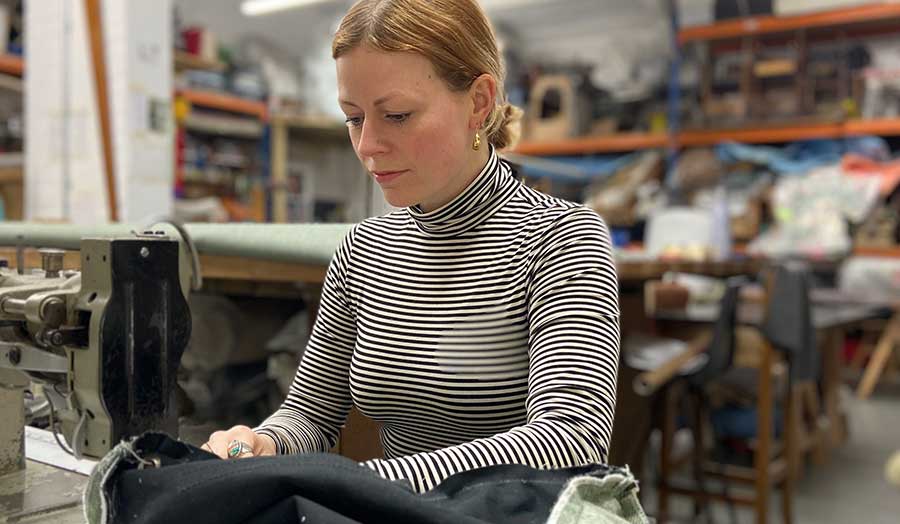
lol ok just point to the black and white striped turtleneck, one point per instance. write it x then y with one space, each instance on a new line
484 332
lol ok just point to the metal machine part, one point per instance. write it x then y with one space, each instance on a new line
105 343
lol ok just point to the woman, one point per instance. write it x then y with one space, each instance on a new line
479 324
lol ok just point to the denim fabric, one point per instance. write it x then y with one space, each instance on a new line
190 485
151 450
593 168
802 157
95 504
794 159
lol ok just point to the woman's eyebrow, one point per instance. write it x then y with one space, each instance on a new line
378 102
386 98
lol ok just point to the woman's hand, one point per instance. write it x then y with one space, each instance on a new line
239 442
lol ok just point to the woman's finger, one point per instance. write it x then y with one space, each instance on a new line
241 438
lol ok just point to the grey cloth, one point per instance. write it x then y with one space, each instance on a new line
96 502
721 347
591 500
788 325
150 450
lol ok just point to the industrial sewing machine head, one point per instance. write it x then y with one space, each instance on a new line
103 343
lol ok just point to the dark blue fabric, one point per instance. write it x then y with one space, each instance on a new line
195 487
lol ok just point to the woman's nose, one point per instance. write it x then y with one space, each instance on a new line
370 141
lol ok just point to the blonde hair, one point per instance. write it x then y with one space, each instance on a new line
454 35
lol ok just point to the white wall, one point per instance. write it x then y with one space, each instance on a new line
63 164
140 83
64 170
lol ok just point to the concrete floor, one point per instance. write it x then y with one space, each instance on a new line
849 488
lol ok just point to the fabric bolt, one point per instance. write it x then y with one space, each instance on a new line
485 332
306 243
154 479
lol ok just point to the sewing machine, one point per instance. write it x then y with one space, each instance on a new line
103 344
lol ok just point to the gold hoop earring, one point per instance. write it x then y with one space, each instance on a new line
476 145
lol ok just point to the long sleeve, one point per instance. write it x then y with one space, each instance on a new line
573 349
319 399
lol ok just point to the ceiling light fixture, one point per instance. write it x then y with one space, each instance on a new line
265 7
501 5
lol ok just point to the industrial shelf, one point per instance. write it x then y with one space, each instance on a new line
709 137
884 252
185 60
594 144
12 65
762 25
224 102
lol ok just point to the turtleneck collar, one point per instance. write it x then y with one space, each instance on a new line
492 188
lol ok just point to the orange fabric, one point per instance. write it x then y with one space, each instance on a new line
857 165
237 211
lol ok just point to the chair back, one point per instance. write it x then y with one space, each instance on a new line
721 347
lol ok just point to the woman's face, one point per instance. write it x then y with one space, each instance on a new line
411 133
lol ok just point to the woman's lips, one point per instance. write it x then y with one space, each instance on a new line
383 177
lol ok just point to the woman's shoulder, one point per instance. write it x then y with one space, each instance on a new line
555 212
393 221
375 229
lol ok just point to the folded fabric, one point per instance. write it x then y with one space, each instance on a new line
888 173
574 169
155 479
797 158
803 156
592 500
812 214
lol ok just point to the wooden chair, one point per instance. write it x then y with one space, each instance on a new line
788 327
776 463
880 356
719 346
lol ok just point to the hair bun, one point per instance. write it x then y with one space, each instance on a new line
508 127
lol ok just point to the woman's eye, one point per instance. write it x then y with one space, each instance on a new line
397 118
353 121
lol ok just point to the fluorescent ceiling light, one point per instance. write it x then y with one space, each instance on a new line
506 4
265 7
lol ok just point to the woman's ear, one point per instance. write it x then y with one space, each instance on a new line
482 92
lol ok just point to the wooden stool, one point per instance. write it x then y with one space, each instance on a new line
889 339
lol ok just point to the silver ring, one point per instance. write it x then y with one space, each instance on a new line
237 448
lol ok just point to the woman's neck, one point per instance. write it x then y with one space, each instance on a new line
474 165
